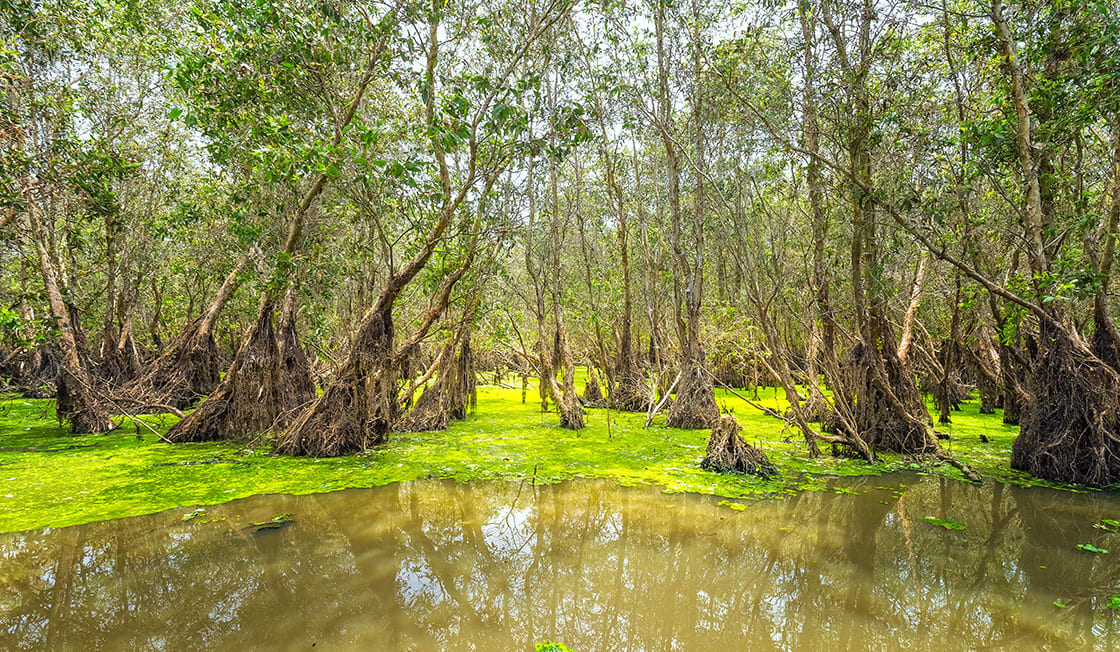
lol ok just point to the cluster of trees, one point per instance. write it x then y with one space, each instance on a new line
859 201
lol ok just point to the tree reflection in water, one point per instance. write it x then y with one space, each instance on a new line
438 565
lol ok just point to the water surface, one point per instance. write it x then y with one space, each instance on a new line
437 565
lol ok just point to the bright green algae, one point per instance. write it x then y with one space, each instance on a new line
50 478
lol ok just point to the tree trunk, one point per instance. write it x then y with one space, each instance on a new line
77 400
822 347
565 396
881 392
1069 429
695 403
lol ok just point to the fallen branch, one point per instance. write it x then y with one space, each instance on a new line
971 475
654 411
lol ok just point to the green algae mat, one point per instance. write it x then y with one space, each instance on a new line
51 478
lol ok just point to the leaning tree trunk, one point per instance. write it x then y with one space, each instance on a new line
191 366
359 406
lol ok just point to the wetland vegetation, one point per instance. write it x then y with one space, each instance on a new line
792 319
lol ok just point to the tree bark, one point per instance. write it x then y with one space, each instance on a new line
77 400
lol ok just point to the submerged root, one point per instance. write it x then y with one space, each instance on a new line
1070 424
729 453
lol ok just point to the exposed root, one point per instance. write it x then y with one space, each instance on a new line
1069 427
449 397
259 393
1104 344
695 404
34 372
78 404
189 369
592 394
729 453
293 359
359 406
119 361
888 410
631 392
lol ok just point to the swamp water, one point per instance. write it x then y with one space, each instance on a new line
437 565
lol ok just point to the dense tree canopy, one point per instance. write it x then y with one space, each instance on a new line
328 217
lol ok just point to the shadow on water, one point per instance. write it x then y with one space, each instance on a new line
439 565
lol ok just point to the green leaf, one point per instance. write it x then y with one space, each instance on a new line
273 523
195 514
1088 547
945 523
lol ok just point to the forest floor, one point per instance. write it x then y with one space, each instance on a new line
51 478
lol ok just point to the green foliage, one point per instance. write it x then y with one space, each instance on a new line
548 646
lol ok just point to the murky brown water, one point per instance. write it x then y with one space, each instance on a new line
434 565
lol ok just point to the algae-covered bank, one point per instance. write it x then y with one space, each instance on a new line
52 478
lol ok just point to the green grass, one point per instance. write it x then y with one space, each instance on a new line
49 477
